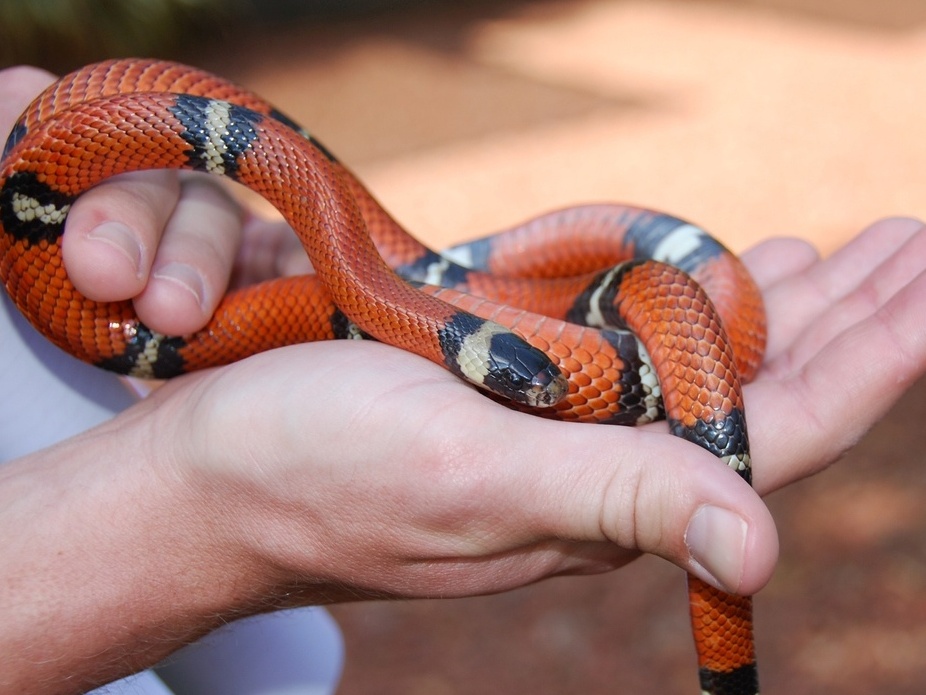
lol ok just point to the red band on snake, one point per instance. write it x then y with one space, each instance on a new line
600 313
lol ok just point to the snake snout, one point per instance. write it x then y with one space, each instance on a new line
547 388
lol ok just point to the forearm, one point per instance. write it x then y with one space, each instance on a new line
109 562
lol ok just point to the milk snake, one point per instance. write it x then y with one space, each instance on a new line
601 313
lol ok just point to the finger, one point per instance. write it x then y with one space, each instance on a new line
827 406
842 290
652 493
775 260
796 304
113 230
847 268
193 263
772 264
18 86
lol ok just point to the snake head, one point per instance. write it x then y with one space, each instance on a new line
497 360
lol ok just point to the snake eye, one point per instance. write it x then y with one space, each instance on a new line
513 379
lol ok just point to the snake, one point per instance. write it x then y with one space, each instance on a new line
605 313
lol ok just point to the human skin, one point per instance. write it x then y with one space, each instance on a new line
287 479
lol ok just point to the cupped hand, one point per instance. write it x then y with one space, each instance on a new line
431 489
360 469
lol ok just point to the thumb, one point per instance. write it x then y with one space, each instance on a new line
646 490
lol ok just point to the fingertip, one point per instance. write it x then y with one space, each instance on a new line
707 520
112 231
716 541
762 548
775 259
121 238
905 226
190 273
644 490
106 262
686 506
176 301
18 86
16 75
734 550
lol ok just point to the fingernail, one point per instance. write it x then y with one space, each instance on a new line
716 539
183 276
118 236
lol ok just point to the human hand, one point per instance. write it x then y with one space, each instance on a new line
480 498
847 337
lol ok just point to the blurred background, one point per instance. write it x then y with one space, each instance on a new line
752 118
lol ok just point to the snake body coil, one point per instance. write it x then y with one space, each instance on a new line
668 328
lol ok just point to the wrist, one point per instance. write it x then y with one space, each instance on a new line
115 564
246 524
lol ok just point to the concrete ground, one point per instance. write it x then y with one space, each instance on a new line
769 117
